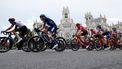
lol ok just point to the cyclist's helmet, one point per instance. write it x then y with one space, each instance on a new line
11 19
114 29
42 15
99 27
91 29
78 25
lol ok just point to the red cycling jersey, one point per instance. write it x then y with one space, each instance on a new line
114 33
81 28
93 32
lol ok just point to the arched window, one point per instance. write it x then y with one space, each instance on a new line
66 15
86 18
89 18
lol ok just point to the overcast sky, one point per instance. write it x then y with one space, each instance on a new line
27 10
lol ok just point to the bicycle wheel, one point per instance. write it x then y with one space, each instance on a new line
98 47
112 46
25 47
90 46
74 45
35 44
5 44
61 45
61 38
120 46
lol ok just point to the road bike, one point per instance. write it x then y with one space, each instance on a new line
41 42
8 42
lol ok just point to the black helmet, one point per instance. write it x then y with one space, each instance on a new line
91 29
42 15
114 29
99 26
11 19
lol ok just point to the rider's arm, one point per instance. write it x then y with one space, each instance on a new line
76 32
42 26
9 27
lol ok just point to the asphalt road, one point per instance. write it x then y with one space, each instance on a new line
68 59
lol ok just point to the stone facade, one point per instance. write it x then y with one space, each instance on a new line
66 26
92 22
118 26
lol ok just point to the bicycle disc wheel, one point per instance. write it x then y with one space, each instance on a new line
61 46
35 44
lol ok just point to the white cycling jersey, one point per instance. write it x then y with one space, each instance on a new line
19 24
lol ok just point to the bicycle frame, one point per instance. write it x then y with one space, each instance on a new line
10 38
83 43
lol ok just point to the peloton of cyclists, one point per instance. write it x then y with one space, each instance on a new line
50 26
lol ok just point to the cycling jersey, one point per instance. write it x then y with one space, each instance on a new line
18 24
93 32
22 29
99 31
114 33
50 22
52 27
107 33
83 29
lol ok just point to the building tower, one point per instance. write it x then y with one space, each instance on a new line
66 26
88 18
66 13
92 22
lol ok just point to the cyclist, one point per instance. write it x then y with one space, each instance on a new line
92 32
99 31
99 35
114 33
52 27
81 30
19 27
107 34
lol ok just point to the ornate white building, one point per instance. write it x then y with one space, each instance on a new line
36 25
66 26
92 22
118 26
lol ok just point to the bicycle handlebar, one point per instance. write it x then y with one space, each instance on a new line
6 33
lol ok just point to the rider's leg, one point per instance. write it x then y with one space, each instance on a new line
22 33
82 38
51 39
19 38
53 31
78 34
50 33
50 36
17 35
